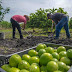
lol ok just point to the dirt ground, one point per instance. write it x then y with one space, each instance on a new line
9 46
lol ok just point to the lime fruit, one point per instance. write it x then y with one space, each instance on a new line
62 54
55 50
55 55
14 60
24 65
44 45
52 66
45 58
65 60
60 48
34 60
57 71
26 57
41 51
13 69
23 70
62 66
34 68
43 68
5 67
32 53
54 59
35 64
69 53
40 46
49 50
67 68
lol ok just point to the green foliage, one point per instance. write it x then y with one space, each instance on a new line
70 23
3 11
54 10
61 10
5 24
39 18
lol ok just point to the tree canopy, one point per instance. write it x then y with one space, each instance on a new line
3 11
39 18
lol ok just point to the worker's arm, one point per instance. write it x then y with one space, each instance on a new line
23 26
54 23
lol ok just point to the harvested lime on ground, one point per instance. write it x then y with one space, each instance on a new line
26 57
62 54
65 60
45 58
34 68
49 50
23 70
41 51
33 53
5 67
69 53
13 69
62 66
14 60
60 48
34 60
55 55
52 66
40 46
24 65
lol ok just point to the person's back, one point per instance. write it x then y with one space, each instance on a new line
19 18
57 17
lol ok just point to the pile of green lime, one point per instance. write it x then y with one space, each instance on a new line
43 59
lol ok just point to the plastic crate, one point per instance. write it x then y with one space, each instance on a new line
4 59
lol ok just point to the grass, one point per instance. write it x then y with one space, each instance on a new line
8 32
38 32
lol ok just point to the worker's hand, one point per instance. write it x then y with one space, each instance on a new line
23 29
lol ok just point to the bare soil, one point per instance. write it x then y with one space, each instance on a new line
10 46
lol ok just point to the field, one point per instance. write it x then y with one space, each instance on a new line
9 46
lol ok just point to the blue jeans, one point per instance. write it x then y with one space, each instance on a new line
62 22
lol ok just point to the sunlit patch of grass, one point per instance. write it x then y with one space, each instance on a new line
6 30
62 30
38 32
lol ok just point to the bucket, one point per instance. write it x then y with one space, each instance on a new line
2 35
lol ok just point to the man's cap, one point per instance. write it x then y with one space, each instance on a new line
48 14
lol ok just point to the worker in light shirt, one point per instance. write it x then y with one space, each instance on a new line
15 20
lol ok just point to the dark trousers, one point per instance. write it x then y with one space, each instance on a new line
63 22
14 26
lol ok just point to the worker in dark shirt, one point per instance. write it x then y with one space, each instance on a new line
61 20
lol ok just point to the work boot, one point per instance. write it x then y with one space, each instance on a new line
21 37
13 38
56 38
